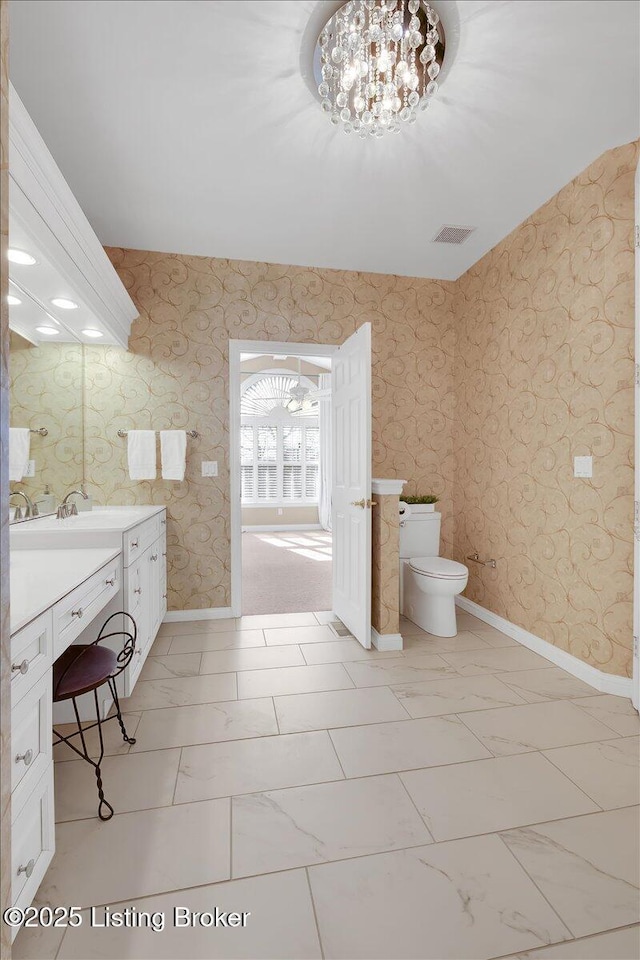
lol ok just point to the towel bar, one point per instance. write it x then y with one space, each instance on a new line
190 433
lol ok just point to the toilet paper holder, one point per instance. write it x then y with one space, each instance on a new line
485 563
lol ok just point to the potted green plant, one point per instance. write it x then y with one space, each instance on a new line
418 505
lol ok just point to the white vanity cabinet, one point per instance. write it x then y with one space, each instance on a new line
145 579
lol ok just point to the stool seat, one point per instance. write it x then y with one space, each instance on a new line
82 668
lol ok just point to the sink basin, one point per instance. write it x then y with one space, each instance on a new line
80 530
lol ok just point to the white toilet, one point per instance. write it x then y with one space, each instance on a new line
429 583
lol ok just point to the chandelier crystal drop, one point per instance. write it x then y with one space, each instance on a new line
380 60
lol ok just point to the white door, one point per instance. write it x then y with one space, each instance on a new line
351 492
636 538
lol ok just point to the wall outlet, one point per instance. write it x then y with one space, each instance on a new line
280 512
31 469
583 467
209 468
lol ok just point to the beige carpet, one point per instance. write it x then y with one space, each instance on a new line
286 572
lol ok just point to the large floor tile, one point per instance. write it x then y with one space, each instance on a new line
160 645
495 638
550 683
463 900
133 782
200 642
327 821
427 643
246 766
401 670
264 621
181 692
496 660
251 658
205 723
618 713
137 854
168 667
457 695
608 772
342 651
405 745
535 726
37 943
181 627
615 945
290 680
338 708
489 795
111 735
280 926
586 867
302 634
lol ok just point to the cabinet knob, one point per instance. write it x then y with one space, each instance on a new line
134 543
28 869
164 554
138 590
163 521
26 757
20 667
154 556
77 613
164 596
110 582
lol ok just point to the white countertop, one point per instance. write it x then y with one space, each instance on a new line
39 578
100 527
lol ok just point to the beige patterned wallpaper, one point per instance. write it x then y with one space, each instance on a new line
46 391
385 549
175 374
544 372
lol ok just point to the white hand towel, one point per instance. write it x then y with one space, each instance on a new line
19 442
141 451
173 451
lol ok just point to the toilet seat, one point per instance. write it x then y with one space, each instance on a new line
438 567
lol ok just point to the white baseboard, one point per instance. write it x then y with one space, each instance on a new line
281 528
386 641
207 613
601 681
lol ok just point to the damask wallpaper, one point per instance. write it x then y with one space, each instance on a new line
544 372
175 374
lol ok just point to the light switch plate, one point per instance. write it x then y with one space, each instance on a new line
583 466
31 469
209 468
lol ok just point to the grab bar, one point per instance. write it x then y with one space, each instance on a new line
485 563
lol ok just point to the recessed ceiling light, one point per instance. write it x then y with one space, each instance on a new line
92 333
13 301
48 331
20 256
64 304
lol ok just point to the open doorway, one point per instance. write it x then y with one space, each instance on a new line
283 431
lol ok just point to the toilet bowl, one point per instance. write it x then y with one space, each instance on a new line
429 583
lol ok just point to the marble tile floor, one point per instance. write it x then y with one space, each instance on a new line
461 799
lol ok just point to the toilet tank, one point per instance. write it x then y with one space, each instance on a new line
420 536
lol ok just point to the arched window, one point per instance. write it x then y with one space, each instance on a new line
280 443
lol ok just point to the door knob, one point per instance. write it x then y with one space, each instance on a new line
359 503
372 503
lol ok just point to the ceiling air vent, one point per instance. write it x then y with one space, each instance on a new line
448 234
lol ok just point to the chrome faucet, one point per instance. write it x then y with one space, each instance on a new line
31 509
65 510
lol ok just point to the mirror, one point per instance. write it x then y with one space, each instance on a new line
46 391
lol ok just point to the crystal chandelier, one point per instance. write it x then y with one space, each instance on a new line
379 63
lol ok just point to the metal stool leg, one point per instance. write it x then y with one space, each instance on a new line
116 701
103 801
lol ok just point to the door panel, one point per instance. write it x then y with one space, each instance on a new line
351 492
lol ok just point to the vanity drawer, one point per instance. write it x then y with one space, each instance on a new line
139 538
31 655
31 750
72 614
32 841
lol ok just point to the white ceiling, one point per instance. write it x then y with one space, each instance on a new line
187 126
